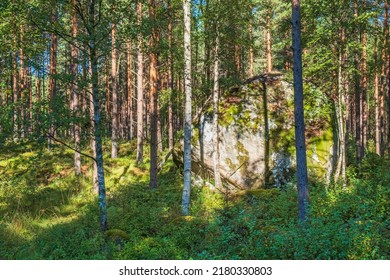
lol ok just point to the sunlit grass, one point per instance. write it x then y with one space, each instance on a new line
49 213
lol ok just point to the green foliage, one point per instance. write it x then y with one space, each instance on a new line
57 217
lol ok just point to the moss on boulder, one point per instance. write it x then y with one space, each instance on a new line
243 132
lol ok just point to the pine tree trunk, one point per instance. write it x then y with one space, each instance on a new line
140 90
358 99
108 103
114 89
268 38
207 71
376 99
251 51
129 112
364 108
159 131
237 59
170 80
383 81
15 94
22 86
53 72
266 137
153 96
386 62
300 144
187 110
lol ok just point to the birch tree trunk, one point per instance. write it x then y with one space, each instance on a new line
93 142
188 117
93 58
75 92
340 112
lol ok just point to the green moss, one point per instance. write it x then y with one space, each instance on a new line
229 113
320 146
267 194
117 233
230 164
195 137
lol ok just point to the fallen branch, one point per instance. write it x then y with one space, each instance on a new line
48 135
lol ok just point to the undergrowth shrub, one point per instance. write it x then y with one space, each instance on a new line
48 213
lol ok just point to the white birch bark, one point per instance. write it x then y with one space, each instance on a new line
188 118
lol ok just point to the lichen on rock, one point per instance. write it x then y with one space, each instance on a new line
246 162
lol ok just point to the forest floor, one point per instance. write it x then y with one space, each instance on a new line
49 213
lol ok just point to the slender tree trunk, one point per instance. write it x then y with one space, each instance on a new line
237 59
22 86
96 116
266 137
15 94
376 99
159 131
170 79
188 117
358 98
75 93
383 77
129 112
386 62
153 96
339 119
93 142
251 51
216 160
114 89
108 103
300 144
207 71
340 115
53 72
364 107
140 90
344 106
30 125
268 38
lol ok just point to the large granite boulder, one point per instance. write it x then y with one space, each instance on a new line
260 109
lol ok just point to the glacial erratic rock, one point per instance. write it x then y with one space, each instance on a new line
256 137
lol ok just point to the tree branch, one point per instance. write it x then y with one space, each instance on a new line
48 135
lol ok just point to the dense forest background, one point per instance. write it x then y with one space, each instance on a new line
96 95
